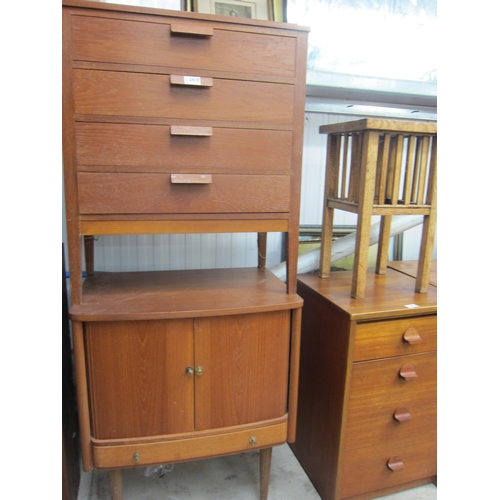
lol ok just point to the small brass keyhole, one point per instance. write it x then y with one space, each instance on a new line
253 440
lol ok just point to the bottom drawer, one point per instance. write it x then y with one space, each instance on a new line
117 193
366 469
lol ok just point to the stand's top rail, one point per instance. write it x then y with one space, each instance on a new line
382 125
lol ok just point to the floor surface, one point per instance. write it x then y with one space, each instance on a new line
234 477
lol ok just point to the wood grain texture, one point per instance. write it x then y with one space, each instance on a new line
245 368
137 94
346 430
130 365
153 43
181 294
109 193
153 148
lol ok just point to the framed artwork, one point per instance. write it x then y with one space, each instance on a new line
256 9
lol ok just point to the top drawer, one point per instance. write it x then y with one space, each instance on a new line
179 44
383 339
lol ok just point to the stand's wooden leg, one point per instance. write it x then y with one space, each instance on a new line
115 484
383 244
265 471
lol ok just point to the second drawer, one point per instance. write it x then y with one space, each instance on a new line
109 193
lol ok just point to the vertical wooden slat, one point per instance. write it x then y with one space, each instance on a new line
382 168
396 180
331 172
391 165
345 166
410 166
416 170
262 249
354 174
423 170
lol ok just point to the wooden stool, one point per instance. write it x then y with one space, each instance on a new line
386 168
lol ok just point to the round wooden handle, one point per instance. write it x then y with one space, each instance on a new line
395 463
408 371
411 336
401 414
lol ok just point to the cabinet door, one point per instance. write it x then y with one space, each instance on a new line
242 368
138 382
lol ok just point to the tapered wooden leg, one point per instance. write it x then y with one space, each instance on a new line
383 244
262 246
115 484
265 471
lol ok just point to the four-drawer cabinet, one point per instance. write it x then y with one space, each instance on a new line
177 122
366 422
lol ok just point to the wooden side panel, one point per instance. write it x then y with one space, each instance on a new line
324 375
244 360
137 378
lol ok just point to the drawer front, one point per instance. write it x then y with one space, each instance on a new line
146 43
401 376
366 469
154 148
390 418
382 339
154 96
108 193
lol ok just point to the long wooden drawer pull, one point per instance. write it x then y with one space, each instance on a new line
408 371
191 131
411 336
194 81
395 463
191 178
402 414
191 29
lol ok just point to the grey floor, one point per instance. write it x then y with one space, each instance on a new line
234 477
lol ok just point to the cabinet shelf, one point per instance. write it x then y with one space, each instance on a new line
176 294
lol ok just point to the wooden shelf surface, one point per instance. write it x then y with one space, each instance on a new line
410 267
386 295
179 294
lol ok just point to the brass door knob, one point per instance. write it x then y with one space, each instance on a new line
199 370
189 370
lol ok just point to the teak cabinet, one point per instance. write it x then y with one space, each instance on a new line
366 424
176 122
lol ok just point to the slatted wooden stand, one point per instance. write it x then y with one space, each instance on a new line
386 168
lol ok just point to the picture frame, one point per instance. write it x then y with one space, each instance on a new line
249 9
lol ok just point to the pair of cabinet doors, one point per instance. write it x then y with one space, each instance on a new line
161 377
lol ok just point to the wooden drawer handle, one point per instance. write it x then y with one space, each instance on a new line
192 81
191 131
402 414
395 463
408 371
191 178
190 29
411 336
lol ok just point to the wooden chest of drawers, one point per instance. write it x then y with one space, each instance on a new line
367 393
176 122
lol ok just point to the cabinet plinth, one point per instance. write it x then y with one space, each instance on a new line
366 422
